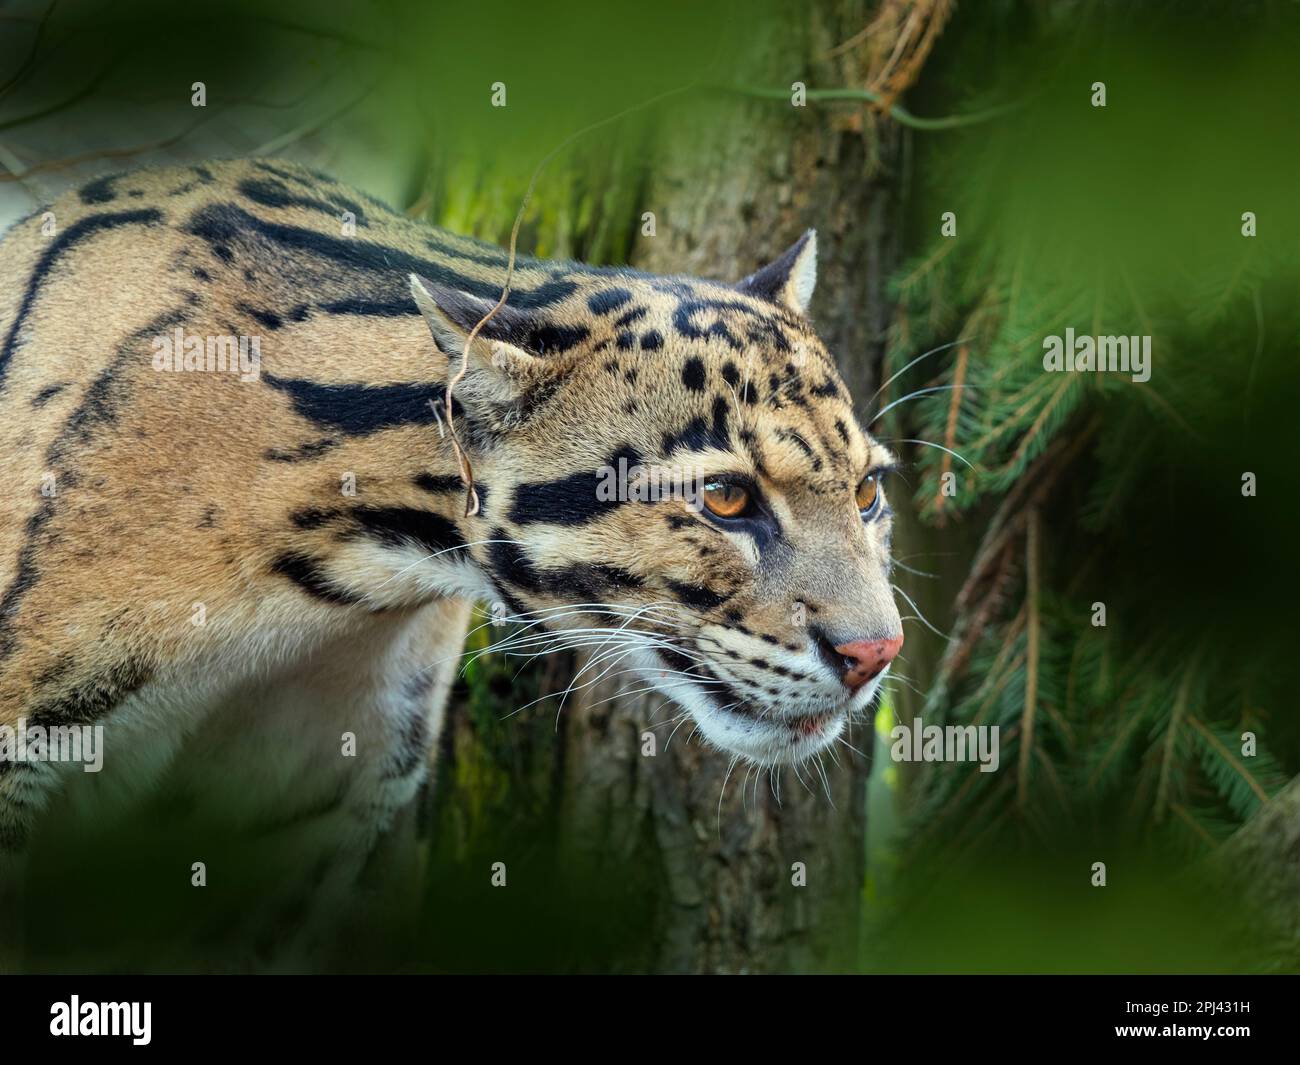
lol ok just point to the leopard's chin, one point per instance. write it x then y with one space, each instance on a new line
758 735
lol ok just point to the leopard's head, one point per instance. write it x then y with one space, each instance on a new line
673 478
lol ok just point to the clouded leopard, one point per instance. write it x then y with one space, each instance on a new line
236 523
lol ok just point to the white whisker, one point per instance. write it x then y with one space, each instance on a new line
930 443
919 616
925 355
913 395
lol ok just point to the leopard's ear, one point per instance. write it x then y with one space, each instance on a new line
788 281
499 371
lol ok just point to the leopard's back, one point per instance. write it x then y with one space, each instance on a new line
161 553
137 492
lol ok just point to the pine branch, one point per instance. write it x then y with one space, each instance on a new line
1031 629
1223 752
1171 736
950 433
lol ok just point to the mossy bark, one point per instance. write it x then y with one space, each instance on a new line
738 179
699 859
1261 862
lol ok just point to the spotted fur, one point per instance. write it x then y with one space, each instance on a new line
142 499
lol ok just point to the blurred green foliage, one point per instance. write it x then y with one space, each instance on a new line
1124 219
1118 220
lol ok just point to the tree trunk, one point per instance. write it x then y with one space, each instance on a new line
724 848
1261 861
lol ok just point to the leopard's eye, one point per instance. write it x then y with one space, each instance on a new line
725 500
868 493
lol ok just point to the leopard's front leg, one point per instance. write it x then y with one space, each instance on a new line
331 757
26 787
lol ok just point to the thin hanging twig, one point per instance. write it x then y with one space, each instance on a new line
462 460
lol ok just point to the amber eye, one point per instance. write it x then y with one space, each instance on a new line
868 493
725 500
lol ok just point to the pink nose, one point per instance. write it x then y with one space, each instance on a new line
867 659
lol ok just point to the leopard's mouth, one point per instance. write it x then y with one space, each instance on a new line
768 737
763 733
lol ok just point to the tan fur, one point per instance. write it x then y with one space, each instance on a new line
171 497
